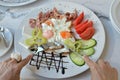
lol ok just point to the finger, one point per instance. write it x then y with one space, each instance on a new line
13 60
7 59
115 73
24 61
89 62
107 63
115 70
102 63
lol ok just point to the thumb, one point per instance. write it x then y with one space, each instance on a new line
89 62
25 61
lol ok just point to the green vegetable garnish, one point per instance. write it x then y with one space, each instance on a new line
69 43
77 45
36 38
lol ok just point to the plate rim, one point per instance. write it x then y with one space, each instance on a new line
10 45
96 57
2 3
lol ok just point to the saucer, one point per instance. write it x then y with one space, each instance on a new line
115 15
3 3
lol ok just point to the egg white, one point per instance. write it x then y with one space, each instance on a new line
58 26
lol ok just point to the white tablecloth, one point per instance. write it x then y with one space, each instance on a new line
111 51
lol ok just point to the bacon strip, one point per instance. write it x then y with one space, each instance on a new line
42 17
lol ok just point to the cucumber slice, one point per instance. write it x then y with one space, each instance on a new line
77 46
30 41
77 59
34 32
39 41
36 38
88 43
69 43
87 52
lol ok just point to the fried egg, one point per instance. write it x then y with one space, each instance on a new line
56 26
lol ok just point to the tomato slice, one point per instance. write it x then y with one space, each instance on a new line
79 19
84 27
88 33
81 24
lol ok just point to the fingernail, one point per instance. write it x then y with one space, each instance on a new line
84 56
30 55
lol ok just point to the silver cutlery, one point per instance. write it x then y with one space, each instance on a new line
3 35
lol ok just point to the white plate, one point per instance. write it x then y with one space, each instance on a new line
3 3
72 68
115 14
9 38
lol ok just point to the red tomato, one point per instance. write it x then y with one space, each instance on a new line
84 27
81 24
88 33
79 19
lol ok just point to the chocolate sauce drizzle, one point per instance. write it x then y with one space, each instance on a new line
49 60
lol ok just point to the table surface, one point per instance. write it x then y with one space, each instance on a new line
13 18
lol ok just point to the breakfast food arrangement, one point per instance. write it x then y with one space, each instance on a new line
57 35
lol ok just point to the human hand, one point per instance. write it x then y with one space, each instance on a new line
102 70
10 69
